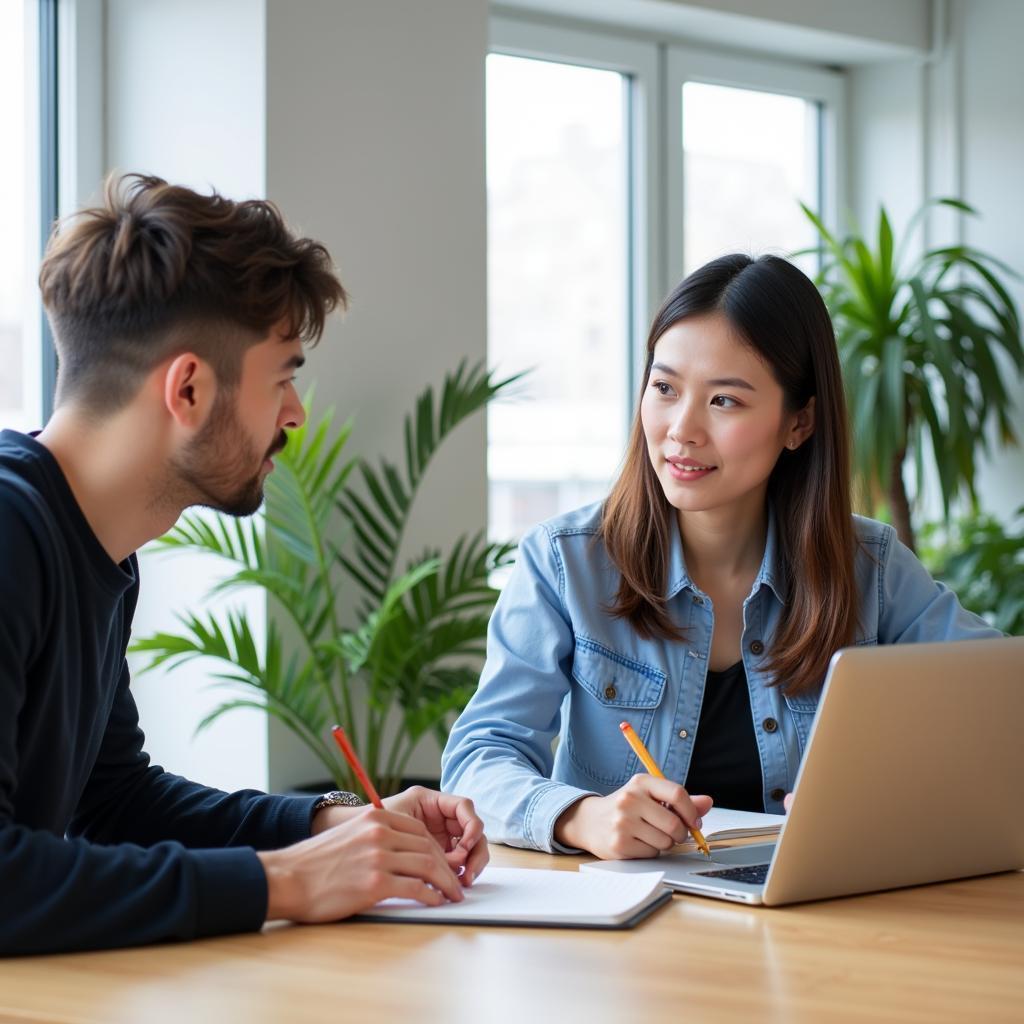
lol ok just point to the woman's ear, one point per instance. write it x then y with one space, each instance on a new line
190 389
802 426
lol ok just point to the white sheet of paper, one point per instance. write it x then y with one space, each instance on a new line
535 895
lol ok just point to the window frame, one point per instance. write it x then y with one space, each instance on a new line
49 177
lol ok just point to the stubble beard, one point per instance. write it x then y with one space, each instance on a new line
216 470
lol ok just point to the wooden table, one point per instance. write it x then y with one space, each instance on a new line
945 952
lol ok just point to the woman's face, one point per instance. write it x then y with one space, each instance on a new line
714 417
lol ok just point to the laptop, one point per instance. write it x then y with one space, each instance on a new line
914 773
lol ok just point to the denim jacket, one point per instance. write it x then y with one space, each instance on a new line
559 665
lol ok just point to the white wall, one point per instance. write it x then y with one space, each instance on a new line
375 144
184 99
992 161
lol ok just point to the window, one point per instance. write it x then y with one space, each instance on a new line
18 399
745 140
558 275
566 258
738 144
598 203
27 202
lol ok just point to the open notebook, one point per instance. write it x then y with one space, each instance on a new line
720 824
540 897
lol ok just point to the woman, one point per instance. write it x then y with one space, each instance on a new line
703 599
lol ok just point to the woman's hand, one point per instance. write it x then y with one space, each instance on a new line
642 819
787 802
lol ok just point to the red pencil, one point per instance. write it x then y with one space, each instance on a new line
353 760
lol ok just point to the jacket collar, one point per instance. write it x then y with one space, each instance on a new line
772 573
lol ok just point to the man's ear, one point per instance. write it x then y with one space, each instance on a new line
190 389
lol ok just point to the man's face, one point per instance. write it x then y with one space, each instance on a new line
227 462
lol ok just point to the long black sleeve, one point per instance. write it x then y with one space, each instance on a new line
97 847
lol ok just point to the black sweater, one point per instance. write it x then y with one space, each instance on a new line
98 847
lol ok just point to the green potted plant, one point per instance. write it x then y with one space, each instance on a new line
983 563
413 654
920 340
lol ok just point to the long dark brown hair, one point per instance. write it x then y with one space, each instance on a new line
776 310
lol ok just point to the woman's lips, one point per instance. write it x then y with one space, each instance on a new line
688 471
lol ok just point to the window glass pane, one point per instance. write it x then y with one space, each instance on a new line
747 158
20 393
558 272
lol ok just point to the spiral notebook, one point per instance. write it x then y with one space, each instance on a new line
539 897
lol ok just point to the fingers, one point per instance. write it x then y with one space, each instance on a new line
451 814
787 802
427 867
703 804
475 863
406 849
414 889
671 793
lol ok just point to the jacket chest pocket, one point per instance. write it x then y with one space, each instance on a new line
609 689
802 710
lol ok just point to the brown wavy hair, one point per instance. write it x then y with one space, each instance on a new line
158 269
778 312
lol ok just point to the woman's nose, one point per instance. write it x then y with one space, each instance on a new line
686 427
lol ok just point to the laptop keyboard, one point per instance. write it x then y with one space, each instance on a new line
754 874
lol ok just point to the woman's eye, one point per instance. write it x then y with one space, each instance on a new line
724 401
661 387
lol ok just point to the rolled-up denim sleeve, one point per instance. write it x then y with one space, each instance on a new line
915 608
499 752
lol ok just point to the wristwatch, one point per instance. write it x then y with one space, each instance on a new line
337 798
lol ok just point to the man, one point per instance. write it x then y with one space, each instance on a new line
179 321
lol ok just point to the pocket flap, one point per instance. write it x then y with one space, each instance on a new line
614 679
804 703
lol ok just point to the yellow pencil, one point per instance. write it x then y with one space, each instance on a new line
648 762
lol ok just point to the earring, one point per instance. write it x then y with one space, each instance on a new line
791 445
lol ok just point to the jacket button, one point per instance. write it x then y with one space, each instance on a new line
609 692
777 794
756 647
770 725
697 599
683 734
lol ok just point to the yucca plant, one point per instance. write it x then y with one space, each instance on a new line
413 655
919 339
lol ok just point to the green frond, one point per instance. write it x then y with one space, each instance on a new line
384 502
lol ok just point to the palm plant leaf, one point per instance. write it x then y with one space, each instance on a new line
379 510
236 540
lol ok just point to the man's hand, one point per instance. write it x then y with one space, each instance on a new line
642 819
374 855
453 824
